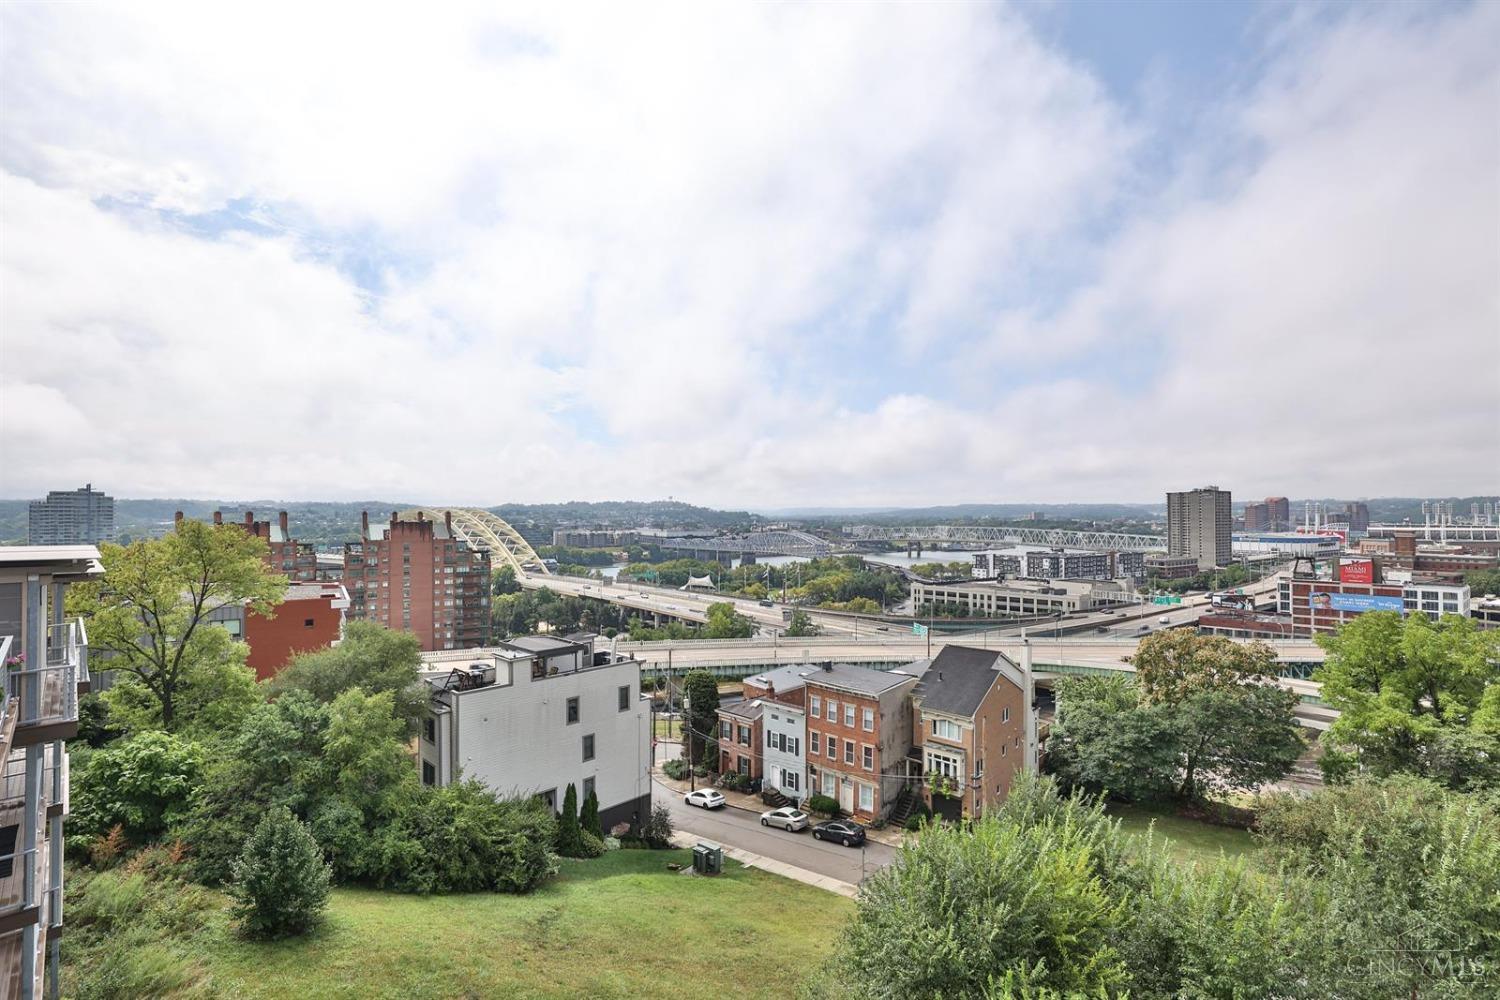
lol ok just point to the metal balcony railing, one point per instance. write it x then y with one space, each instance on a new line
49 692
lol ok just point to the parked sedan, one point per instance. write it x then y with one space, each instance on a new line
840 831
786 817
705 798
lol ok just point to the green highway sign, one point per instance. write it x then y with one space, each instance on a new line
918 629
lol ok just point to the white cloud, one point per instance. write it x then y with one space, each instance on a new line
633 253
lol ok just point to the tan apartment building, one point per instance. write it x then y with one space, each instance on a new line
969 730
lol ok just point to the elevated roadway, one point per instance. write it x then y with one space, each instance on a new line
1051 658
970 534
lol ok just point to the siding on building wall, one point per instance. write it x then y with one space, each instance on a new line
517 738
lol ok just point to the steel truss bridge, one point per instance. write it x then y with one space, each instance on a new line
760 543
484 530
974 534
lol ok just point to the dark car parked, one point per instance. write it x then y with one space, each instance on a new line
840 830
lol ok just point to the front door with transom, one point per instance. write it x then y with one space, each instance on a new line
846 795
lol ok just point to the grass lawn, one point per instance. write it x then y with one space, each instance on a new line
618 926
1187 839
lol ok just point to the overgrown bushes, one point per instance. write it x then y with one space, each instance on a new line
1045 897
677 769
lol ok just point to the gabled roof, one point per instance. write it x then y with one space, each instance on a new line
959 678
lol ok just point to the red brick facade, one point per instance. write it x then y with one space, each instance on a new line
298 625
853 775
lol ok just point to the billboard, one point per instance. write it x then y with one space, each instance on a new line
1242 602
1358 571
1357 603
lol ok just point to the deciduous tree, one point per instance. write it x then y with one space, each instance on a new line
1406 687
149 614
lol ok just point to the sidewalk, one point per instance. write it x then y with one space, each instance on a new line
751 860
890 836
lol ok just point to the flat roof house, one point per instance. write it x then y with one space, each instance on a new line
535 714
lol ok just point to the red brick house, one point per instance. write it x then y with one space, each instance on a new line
969 730
859 730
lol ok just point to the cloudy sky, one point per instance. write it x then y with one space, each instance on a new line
750 255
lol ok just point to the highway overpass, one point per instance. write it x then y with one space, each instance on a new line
968 534
1051 658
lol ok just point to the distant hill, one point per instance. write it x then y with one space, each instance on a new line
330 523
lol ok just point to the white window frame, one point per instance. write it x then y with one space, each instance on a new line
817 706
866 800
869 719
947 729
849 714
867 757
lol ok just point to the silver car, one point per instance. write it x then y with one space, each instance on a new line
786 817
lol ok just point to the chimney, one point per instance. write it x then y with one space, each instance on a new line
421 516
828 666
285 534
177 520
448 520
249 518
218 517
364 524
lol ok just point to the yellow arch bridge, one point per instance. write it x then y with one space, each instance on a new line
484 530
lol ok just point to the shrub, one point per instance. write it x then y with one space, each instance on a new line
611 843
143 784
280 881
462 838
589 845
826 805
588 817
657 833
676 769
569 834
914 822
106 850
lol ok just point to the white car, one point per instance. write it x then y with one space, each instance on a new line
704 798
786 817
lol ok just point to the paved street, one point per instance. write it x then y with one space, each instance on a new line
738 828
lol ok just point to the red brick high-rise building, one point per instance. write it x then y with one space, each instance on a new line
417 576
297 561
1280 513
